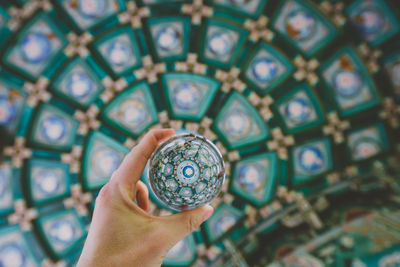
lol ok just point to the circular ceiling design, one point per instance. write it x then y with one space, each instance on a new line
299 96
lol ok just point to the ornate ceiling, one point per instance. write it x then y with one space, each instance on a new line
300 96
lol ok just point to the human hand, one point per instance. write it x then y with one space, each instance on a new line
123 233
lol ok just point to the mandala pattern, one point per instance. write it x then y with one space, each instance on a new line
186 171
301 98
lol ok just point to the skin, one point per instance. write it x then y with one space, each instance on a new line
125 234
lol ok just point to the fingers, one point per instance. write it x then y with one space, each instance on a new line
142 196
179 225
132 166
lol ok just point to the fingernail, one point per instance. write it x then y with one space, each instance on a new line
209 212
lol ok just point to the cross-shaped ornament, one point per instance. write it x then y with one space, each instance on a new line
133 15
197 10
78 44
37 91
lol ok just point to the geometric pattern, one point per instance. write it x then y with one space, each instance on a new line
302 98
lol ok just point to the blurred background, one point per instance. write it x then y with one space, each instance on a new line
301 97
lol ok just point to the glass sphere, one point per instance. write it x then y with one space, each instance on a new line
186 171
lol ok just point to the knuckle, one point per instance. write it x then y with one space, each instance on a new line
104 192
192 224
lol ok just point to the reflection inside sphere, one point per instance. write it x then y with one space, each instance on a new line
193 171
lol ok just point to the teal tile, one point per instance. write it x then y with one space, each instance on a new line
311 160
223 220
221 43
367 142
299 109
252 8
189 95
38 47
349 82
48 180
304 26
182 254
6 188
87 14
63 231
170 37
53 128
133 111
239 124
12 104
119 51
102 157
267 68
78 83
374 20
14 248
254 178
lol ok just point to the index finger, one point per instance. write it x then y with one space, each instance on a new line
135 161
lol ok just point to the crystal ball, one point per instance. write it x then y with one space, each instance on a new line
186 171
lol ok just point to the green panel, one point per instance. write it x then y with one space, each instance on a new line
12 105
133 111
267 68
170 37
223 220
6 188
53 128
303 26
189 95
182 254
78 83
249 8
222 43
254 178
87 14
43 37
239 124
349 82
311 160
120 51
367 142
15 249
48 180
374 19
63 231
102 157
299 109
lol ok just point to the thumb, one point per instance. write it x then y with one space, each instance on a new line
179 225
